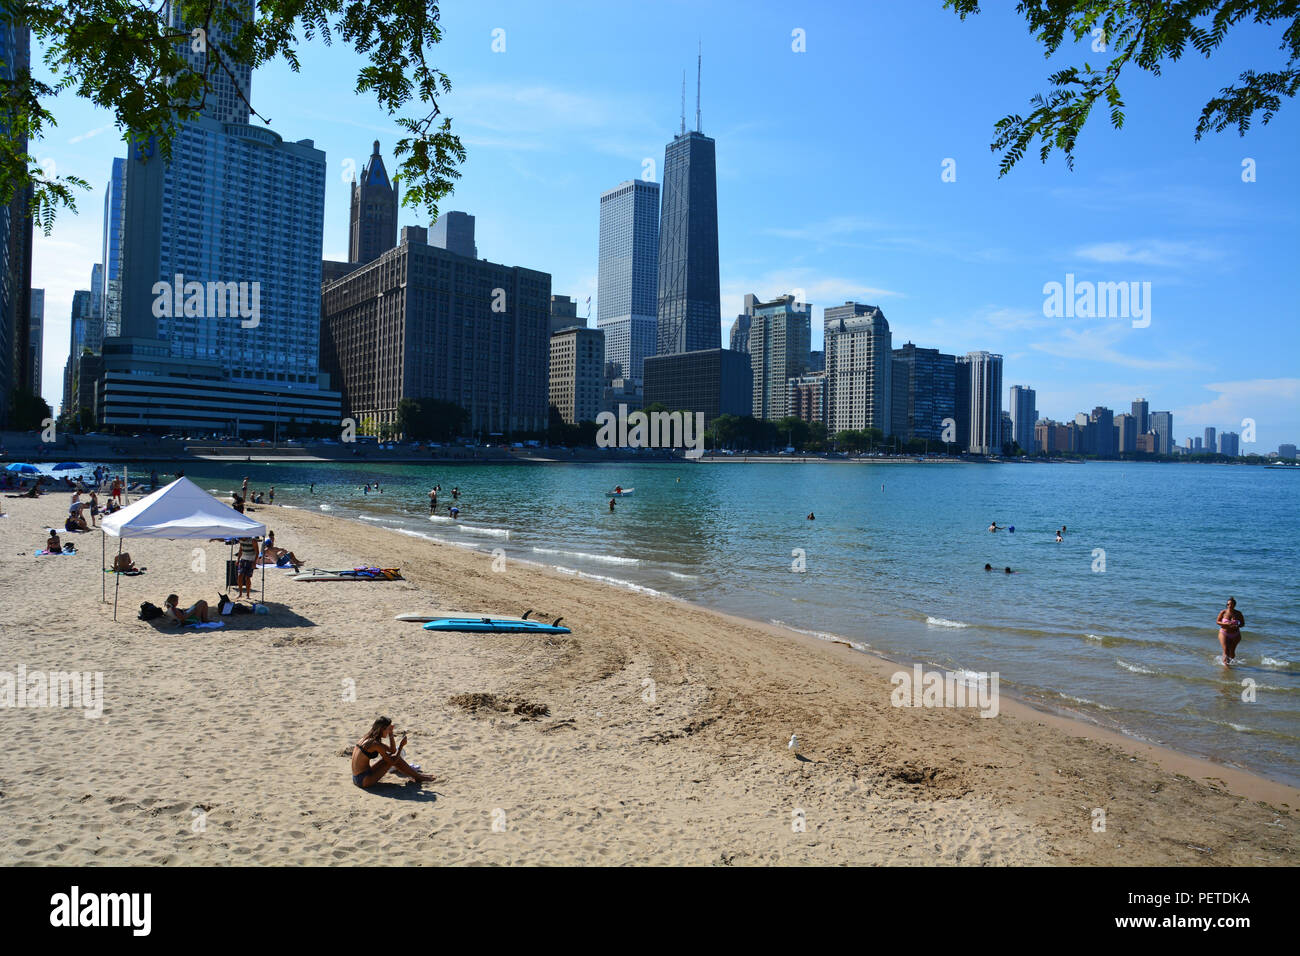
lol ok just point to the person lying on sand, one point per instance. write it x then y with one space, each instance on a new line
280 557
366 774
196 613
123 563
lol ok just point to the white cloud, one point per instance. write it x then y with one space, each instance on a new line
1149 252
1271 402
1098 344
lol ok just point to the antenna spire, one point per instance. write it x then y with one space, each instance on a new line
683 102
699 56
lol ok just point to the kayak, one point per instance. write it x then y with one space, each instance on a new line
620 494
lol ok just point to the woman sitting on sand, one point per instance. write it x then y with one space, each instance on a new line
196 613
366 774
52 543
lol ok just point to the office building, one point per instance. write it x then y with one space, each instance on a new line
1210 441
78 322
577 378
419 322
738 339
111 248
1162 423
1057 438
454 231
859 369
372 227
980 375
1286 450
1197 446
1141 411
1229 444
36 342
780 334
923 392
817 360
564 315
1102 421
1024 414
15 243
690 304
713 381
1125 433
807 397
627 278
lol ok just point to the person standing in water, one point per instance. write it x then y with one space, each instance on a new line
611 505
433 501
1230 622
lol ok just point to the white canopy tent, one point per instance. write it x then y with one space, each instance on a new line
178 510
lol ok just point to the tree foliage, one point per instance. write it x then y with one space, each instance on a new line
122 56
430 419
1145 34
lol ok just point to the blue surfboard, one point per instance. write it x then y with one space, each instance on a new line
497 625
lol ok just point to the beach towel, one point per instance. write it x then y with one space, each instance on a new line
130 574
209 625
44 552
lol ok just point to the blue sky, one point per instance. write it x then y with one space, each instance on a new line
829 182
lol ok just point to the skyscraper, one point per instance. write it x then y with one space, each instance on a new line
1162 423
627 280
1141 414
859 369
111 250
780 334
577 373
1210 443
373 221
36 341
1103 421
454 231
564 314
923 392
1229 444
690 302
220 276
983 382
15 243
1024 415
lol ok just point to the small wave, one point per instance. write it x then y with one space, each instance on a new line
1273 662
493 532
1085 701
944 622
617 582
442 518
370 518
290 507
684 577
970 678
824 636
583 555
1133 668
326 507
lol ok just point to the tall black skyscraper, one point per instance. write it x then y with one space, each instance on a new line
690 306
374 213
15 244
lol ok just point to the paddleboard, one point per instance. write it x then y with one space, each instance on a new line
499 625
620 494
435 616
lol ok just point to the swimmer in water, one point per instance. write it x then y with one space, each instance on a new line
988 567
993 526
811 516
611 505
1009 571
1230 622
1059 539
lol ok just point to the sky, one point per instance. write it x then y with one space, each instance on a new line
831 185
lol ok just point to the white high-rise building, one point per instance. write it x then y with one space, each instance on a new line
859 367
984 378
780 333
627 292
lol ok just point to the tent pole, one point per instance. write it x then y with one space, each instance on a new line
103 581
263 579
117 579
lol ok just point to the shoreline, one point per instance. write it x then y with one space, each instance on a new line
1249 783
654 733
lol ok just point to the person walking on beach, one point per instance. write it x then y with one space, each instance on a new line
244 568
366 774
1230 622
271 499
243 491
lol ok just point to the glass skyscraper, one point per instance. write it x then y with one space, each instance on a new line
627 279
15 245
690 305
111 257
980 373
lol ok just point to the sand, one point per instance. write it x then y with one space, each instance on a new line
655 733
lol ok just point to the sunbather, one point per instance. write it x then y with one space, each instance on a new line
52 543
367 774
280 557
124 564
196 613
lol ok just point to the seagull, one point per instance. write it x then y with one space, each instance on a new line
793 745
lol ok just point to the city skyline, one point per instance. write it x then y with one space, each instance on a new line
1190 225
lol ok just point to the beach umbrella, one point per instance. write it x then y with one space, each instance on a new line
23 468
65 465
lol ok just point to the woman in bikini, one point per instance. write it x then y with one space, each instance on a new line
366 774
1230 621
196 613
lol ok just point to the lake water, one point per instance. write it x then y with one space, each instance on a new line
1115 624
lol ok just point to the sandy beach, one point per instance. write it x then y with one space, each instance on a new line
655 733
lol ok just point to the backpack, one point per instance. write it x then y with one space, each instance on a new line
150 612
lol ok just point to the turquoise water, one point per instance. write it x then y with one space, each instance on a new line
894 560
